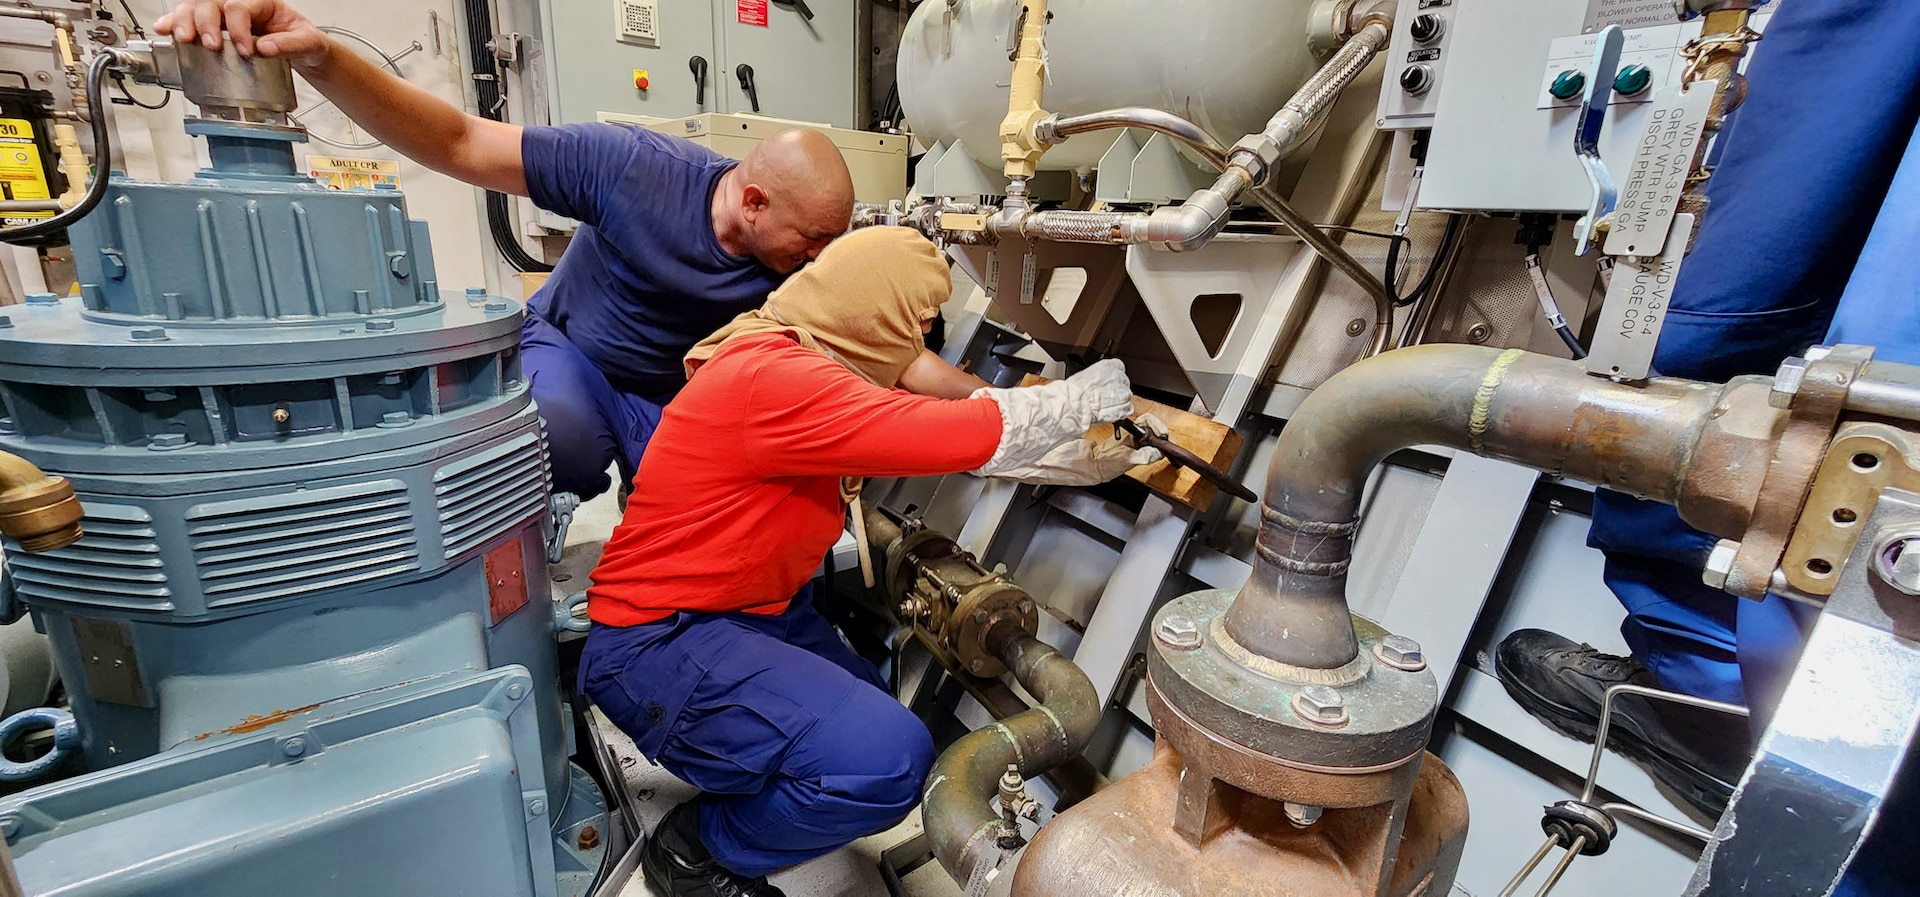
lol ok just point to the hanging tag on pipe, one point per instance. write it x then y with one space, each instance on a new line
1636 309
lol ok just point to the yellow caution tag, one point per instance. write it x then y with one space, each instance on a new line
21 174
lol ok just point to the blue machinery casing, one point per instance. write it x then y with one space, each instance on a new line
307 636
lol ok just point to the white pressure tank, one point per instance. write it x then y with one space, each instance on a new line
1226 65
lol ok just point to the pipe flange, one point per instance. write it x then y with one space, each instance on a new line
1365 714
976 613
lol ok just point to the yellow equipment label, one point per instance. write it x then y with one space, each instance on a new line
345 173
21 175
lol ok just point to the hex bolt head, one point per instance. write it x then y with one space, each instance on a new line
1320 705
1178 631
476 295
294 747
496 306
1302 815
8 427
1400 653
5 322
1720 564
42 299
516 691
1897 563
1786 382
978 666
147 334
164 441
378 325
589 838
394 419
979 616
538 807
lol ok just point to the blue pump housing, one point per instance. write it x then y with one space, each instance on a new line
307 635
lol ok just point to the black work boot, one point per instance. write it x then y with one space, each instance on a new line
677 864
1696 752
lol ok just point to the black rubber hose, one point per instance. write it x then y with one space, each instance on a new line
97 185
486 85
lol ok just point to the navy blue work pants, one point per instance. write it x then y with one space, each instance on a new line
1806 173
793 738
590 424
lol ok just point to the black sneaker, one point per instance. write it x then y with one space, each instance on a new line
1697 753
677 864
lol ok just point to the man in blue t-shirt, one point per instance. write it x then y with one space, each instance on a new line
675 240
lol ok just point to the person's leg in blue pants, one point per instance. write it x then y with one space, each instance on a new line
791 736
590 424
1804 166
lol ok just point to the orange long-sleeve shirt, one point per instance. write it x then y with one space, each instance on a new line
738 496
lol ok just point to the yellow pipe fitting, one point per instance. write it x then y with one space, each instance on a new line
36 510
1018 148
73 164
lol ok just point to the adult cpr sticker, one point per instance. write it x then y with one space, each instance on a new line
21 174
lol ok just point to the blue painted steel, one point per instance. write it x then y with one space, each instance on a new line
66 739
314 494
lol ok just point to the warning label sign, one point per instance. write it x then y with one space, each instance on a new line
343 173
21 174
752 12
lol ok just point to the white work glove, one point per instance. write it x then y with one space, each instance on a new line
1034 420
1082 462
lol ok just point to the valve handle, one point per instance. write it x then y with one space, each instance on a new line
745 73
1586 134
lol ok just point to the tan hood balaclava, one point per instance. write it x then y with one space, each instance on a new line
861 303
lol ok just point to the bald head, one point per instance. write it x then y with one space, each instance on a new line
787 200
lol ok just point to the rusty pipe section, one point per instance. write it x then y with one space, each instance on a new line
36 510
958 814
1701 447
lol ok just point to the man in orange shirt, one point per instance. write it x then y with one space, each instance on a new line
706 647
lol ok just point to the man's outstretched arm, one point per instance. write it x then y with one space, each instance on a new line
421 126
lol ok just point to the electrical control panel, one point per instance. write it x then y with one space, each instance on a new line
1416 58
1504 116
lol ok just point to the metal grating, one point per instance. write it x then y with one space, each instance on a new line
116 563
269 546
481 496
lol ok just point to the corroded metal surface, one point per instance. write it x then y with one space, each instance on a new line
1122 842
1387 712
36 510
1541 412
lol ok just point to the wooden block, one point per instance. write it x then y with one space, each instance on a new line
1216 442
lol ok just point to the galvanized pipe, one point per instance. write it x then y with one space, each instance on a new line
958 814
1193 224
1541 412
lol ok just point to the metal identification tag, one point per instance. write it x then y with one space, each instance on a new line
1636 308
1651 195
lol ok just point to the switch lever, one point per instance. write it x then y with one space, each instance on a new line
1586 134
799 6
745 73
698 65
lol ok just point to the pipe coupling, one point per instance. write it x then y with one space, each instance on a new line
41 514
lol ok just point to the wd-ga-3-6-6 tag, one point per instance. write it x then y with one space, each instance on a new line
1650 197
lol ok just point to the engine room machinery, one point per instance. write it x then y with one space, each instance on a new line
299 607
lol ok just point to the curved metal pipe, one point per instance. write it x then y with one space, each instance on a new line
958 814
1056 129
36 510
1701 447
